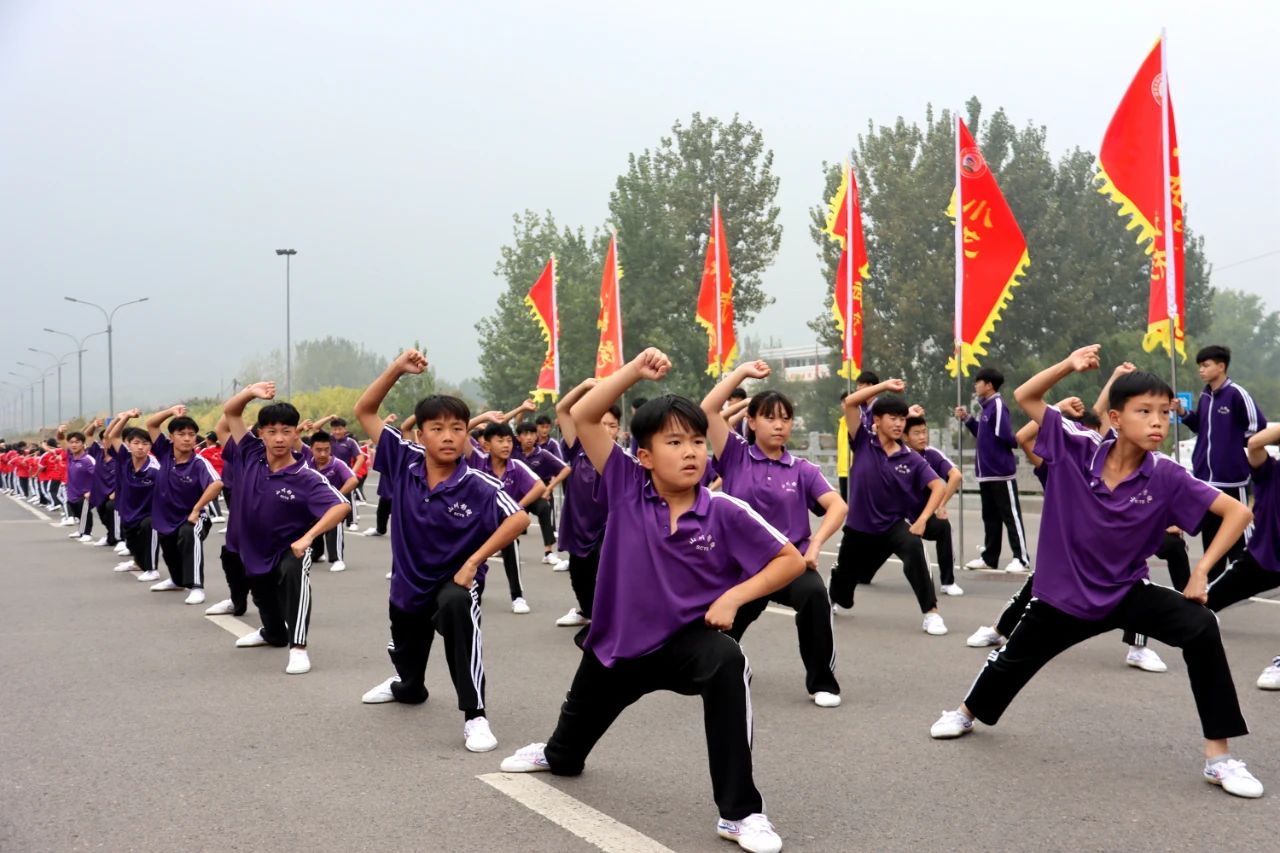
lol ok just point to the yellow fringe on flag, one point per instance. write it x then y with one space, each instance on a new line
969 352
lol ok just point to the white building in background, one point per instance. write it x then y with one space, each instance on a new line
799 364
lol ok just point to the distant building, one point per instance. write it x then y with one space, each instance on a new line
799 364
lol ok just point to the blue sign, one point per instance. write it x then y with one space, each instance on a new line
1185 397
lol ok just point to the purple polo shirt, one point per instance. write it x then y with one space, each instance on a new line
104 476
994 459
434 531
1264 544
783 490
178 487
883 489
541 461
652 582
941 466
348 450
79 476
234 519
517 478
134 487
584 513
336 472
276 507
1094 542
554 448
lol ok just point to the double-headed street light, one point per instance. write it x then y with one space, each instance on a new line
80 351
108 316
288 336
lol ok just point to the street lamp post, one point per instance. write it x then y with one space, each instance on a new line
80 351
288 332
44 409
108 316
31 409
17 424
59 362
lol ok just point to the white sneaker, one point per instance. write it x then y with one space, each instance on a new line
975 565
527 759
67 522
573 619
196 596
934 625
251 641
126 566
166 585
550 558
85 539
1145 659
122 549
561 566
823 699
983 637
323 558
388 575
1017 566
73 535
951 724
753 833
100 542
952 589
380 694
222 608
1234 778
219 519
477 736
370 531
299 662
839 610
1270 678
339 566
519 605
148 576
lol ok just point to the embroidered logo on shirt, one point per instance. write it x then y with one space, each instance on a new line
459 510
1142 497
790 486
286 494
1224 410
703 542
902 468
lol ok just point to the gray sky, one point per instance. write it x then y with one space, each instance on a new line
166 149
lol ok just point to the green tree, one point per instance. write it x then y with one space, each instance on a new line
1241 321
329 362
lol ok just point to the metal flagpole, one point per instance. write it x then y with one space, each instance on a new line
959 309
715 239
555 326
1171 268
847 354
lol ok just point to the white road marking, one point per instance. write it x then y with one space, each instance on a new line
28 507
232 625
18 521
1265 600
592 826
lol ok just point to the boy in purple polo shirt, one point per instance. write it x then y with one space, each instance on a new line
938 530
997 468
552 471
1223 420
1258 570
185 485
347 450
545 441
892 495
447 520
583 516
283 505
332 545
129 452
520 483
79 482
229 554
102 492
677 563
784 490
1107 505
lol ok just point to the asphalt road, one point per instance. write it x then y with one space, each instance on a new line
132 723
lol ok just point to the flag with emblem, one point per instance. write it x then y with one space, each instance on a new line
1138 170
991 253
542 306
609 321
844 218
715 298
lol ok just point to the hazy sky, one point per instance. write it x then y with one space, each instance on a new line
166 149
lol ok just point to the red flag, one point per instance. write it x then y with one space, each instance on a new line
715 298
609 321
1132 173
844 218
991 253
542 305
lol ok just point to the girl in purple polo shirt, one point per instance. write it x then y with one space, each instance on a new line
783 489
677 563
1107 505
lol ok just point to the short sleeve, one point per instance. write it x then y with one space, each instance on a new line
1189 498
522 476
813 485
623 477
752 541
939 462
1060 438
923 474
553 461
321 495
1266 472
734 455
504 506
206 472
860 437
230 455
344 470
161 447
390 457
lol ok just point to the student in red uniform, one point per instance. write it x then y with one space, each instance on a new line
212 451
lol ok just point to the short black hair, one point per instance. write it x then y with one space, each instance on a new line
51 443
1215 352
493 429
76 434
889 404
1090 419
322 437
213 436
770 404
543 420
616 411
866 377
478 432
914 421
525 427
183 423
278 414
637 403
130 433
738 393
843 394
338 422
990 374
440 407
661 411
1136 384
